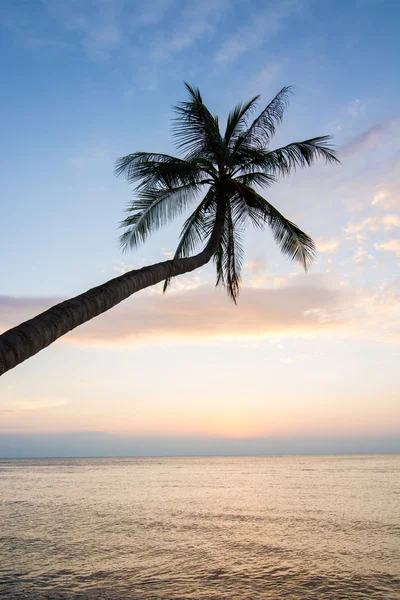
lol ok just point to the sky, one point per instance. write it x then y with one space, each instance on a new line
305 362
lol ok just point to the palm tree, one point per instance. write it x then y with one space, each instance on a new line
222 173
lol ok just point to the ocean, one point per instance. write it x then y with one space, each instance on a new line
265 527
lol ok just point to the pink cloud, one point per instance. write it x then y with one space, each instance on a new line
390 246
299 305
305 305
367 140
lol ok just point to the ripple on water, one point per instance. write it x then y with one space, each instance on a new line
260 528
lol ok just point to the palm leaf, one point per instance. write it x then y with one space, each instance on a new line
256 178
196 229
283 160
231 164
237 119
229 256
160 169
248 159
263 127
196 130
152 209
293 242
300 154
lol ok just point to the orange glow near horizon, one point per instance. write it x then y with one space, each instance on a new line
254 421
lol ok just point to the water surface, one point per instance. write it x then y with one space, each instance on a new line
297 527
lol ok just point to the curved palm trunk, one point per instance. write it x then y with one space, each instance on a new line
25 340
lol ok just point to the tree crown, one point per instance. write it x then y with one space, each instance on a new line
222 170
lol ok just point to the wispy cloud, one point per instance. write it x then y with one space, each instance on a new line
327 245
380 307
360 256
261 27
13 408
204 312
381 135
295 306
266 76
150 13
373 223
99 28
96 23
122 267
366 140
257 270
388 197
390 246
197 20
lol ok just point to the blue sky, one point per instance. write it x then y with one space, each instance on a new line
302 356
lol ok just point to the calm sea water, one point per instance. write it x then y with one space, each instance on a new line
325 527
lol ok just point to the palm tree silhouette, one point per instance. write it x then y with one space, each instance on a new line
217 170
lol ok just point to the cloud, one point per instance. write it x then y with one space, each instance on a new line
167 253
267 75
263 25
374 223
14 408
371 166
150 13
380 310
305 305
257 270
98 25
387 198
196 21
99 28
390 246
390 221
367 140
25 31
14 309
206 313
121 267
359 256
369 174
295 305
327 246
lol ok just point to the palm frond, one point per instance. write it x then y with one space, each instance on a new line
160 169
256 178
293 242
230 165
197 228
239 211
263 127
282 161
152 209
300 154
196 130
229 256
247 159
238 119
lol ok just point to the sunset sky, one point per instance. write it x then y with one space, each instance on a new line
305 362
